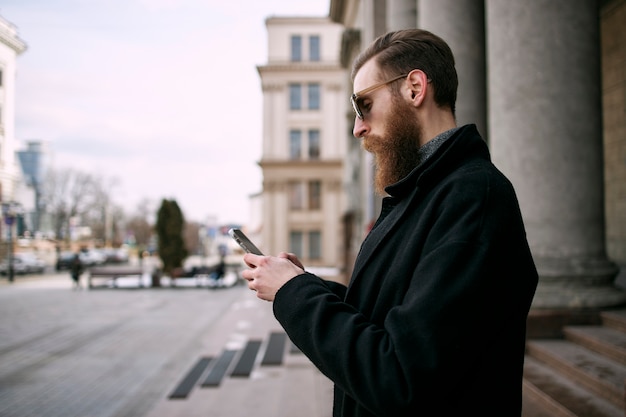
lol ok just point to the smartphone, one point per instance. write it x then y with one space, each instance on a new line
244 242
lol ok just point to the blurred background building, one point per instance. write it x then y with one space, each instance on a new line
304 146
33 160
11 46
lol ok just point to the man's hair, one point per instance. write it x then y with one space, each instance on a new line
402 51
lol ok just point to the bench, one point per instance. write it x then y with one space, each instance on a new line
113 273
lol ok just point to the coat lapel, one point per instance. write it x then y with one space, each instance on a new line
378 235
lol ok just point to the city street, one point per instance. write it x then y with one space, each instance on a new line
113 352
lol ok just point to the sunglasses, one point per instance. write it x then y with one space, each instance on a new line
354 98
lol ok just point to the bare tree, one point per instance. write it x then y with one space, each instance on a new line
191 235
101 214
141 224
70 193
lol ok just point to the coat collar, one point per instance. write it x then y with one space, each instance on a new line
459 144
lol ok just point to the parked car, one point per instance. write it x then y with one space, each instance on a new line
88 257
115 255
24 263
64 260
92 257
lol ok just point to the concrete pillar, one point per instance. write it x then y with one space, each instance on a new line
401 14
461 23
545 133
374 17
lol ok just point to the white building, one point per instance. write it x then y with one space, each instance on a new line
304 140
10 47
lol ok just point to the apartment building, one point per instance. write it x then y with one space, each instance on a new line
304 140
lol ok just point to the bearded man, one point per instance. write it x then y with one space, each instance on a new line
433 321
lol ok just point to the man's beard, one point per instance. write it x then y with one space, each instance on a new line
395 154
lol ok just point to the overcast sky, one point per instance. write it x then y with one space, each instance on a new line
160 97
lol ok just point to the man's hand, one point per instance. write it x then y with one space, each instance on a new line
267 274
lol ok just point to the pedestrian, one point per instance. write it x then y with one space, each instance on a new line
76 269
219 271
433 320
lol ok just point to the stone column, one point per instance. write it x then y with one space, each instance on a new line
401 14
461 23
545 133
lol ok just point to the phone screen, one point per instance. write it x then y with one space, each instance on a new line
243 241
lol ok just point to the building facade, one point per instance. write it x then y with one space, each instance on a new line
33 160
10 47
304 131
544 81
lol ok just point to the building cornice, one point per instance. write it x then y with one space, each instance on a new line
291 20
8 36
300 164
350 43
298 66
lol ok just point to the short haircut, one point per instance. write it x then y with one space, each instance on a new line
402 51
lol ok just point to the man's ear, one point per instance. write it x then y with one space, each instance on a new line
418 85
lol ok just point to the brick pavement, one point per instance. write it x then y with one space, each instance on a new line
122 352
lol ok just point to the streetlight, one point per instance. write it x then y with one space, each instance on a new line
10 211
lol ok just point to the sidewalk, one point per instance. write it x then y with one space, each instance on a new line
123 352
293 388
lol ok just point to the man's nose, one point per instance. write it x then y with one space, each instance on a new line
360 127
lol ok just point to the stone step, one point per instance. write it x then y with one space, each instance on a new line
600 339
547 393
615 319
591 371
534 403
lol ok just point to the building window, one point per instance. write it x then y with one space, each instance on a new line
295 96
314 48
295 242
314 144
296 48
295 144
315 245
314 96
295 189
315 195
303 195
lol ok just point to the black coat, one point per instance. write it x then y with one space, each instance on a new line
433 321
